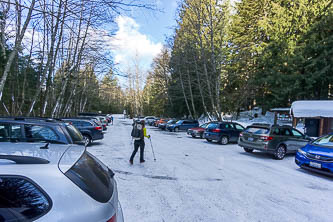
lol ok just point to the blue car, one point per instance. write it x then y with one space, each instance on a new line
182 125
317 156
223 132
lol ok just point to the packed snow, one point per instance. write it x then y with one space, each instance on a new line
312 108
193 180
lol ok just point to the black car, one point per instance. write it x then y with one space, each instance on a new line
38 129
88 128
223 132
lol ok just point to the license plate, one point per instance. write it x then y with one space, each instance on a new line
250 139
315 165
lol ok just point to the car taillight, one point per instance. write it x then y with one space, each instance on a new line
98 128
266 138
216 130
113 219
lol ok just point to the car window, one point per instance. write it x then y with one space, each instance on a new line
74 133
213 126
239 127
4 132
39 132
21 200
276 131
86 123
256 130
285 132
228 126
204 125
296 133
179 122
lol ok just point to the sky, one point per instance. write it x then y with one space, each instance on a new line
141 34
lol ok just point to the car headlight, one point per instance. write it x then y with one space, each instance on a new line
302 152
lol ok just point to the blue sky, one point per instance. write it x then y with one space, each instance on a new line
141 33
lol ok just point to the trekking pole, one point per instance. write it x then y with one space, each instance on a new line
152 149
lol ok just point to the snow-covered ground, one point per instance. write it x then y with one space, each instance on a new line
193 180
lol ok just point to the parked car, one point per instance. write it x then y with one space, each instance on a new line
88 128
223 132
157 122
151 122
38 129
43 185
277 140
149 118
198 131
317 156
183 125
163 126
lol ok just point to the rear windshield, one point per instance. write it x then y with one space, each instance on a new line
93 177
74 133
213 126
21 200
326 141
256 130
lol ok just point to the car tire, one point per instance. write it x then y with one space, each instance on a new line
208 140
224 140
248 150
280 152
201 135
176 129
87 140
193 136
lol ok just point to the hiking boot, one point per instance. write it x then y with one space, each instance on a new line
142 161
131 162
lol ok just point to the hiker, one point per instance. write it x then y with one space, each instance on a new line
139 132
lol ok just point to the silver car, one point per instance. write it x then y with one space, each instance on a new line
51 182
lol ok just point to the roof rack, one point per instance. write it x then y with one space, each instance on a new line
24 159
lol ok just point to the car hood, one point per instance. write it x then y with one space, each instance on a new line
314 149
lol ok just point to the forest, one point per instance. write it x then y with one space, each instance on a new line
223 57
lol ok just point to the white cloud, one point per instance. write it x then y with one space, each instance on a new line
128 43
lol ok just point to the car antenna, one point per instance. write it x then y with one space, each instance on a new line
45 147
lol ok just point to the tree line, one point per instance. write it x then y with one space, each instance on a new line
226 57
53 59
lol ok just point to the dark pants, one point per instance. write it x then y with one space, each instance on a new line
137 144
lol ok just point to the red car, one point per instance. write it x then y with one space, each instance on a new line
198 131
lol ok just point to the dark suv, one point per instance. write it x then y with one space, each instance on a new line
223 132
275 139
36 130
88 128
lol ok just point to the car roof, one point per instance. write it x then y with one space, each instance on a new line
67 153
40 121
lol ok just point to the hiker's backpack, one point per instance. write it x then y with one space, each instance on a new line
137 133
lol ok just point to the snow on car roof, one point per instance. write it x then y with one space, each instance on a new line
312 108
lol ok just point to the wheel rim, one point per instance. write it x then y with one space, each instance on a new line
280 152
224 140
86 140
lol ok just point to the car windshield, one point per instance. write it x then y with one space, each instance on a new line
179 122
326 141
256 130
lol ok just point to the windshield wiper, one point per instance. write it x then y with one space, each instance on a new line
46 141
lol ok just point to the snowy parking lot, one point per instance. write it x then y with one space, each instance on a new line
193 180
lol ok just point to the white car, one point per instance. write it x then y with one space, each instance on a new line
65 183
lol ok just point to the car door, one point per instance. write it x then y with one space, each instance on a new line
184 125
238 129
229 129
287 138
299 140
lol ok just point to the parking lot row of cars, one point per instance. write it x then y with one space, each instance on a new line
315 154
45 168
